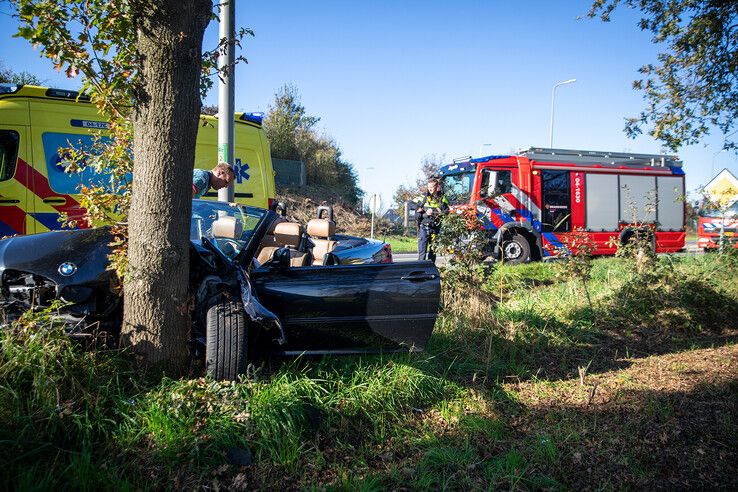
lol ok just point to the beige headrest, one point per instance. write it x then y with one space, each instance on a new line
321 228
274 224
288 234
227 226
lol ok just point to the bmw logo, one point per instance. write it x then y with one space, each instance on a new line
67 268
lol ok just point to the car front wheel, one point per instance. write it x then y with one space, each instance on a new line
226 349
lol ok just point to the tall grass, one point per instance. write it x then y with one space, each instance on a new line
79 419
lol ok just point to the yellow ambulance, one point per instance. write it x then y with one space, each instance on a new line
36 121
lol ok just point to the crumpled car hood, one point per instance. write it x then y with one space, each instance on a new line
42 254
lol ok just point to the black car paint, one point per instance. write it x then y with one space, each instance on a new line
92 290
357 306
346 308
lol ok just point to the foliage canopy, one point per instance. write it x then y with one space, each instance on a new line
693 87
292 135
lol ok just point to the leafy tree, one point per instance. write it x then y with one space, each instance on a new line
292 135
141 63
211 110
693 86
8 76
430 165
287 125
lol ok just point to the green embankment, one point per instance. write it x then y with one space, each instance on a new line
525 385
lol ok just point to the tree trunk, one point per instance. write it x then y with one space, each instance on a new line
156 319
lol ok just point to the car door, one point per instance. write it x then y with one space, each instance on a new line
352 308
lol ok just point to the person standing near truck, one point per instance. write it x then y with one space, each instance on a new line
221 176
430 208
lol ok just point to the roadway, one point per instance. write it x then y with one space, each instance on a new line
691 248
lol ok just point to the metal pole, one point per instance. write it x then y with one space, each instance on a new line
372 234
226 92
553 98
406 218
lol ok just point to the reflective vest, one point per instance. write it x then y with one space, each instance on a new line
437 202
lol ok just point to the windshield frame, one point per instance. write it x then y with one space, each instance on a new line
448 191
253 235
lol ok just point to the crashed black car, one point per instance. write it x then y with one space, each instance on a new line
260 284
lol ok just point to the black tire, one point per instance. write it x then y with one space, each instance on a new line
226 349
629 236
515 250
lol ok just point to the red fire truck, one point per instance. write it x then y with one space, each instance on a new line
534 203
714 223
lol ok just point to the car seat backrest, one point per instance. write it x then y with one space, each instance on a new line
288 234
321 232
227 226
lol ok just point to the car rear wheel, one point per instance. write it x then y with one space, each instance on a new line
515 250
226 349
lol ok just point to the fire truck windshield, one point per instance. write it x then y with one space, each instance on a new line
458 188
715 213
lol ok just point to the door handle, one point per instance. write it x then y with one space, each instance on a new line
8 201
416 277
55 200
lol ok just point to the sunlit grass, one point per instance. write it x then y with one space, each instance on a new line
466 414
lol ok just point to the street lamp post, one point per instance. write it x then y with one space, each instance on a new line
483 146
226 93
553 99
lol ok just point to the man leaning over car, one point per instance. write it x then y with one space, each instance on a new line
219 177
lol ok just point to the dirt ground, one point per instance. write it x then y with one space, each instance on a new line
668 422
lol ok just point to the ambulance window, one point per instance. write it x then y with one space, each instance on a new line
70 182
8 154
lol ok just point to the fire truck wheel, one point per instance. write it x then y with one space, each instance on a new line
515 250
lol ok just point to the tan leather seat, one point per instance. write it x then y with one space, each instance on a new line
268 244
321 232
227 226
287 234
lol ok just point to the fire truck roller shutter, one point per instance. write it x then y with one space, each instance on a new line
670 203
637 199
602 201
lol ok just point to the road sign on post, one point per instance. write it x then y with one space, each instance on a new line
375 204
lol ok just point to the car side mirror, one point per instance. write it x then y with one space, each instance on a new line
282 259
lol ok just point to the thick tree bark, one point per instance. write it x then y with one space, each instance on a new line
156 320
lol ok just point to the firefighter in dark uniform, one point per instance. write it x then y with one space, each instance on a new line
430 208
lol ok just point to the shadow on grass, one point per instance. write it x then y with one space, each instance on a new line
632 322
636 440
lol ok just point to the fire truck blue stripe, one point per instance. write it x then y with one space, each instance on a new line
503 215
551 238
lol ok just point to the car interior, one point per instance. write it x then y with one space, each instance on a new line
306 246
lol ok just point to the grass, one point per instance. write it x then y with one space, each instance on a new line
532 389
403 244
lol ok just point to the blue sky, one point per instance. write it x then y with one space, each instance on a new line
394 81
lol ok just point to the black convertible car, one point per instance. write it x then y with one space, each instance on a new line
261 284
